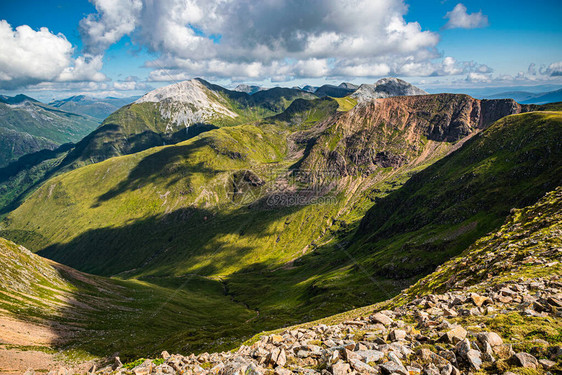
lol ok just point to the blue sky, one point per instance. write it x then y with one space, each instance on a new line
127 47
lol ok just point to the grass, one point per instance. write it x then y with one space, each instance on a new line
162 222
346 103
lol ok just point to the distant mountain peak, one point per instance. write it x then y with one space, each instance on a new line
188 102
248 89
348 85
18 99
386 87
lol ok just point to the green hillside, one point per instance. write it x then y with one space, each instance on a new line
98 108
92 316
137 127
294 217
27 126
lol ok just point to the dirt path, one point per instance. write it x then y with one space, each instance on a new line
25 345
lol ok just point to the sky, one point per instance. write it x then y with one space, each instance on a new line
58 48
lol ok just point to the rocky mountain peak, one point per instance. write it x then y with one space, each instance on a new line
188 102
18 99
386 87
248 89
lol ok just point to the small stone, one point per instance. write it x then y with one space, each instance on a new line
450 313
431 369
479 300
381 318
397 335
447 369
282 371
454 335
144 368
370 355
362 367
340 368
448 355
275 339
462 348
473 358
392 367
428 356
117 364
491 338
546 363
165 355
525 360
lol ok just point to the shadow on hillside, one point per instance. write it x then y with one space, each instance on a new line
165 240
162 165
31 170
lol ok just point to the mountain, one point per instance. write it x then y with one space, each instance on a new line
334 91
385 88
248 89
282 209
28 125
518 96
164 116
348 85
18 99
98 108
547 97
530 97
53 315
309 88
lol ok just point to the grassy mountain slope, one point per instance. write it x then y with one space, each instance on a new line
236 207
87 315
140 126
515 270
460 198
14 144
30 126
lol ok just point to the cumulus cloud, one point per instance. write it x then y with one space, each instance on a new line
30 57
534 74
554 69
264 39
460 19
113 20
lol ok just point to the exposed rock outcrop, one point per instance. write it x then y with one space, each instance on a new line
385 88
391 132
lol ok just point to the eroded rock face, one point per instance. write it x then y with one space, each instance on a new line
390 132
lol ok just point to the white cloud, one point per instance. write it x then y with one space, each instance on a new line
86 68
113 20
30 57
478 77
264 39
555 69
460 19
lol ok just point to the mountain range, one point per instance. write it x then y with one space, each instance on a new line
197 216
98 108
27 126
529 97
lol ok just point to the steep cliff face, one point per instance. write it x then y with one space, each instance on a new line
391 132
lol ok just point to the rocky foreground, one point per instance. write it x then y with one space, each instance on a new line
495 309
429 335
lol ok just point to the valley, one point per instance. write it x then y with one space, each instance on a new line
197 216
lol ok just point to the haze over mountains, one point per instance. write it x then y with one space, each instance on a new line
197 216
98 108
